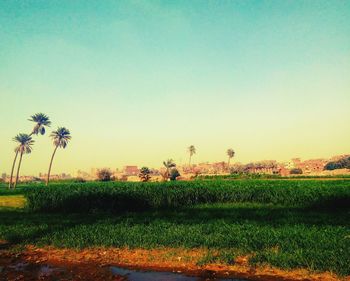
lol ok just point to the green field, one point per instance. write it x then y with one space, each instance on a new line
288 224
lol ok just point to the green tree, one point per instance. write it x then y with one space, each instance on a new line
230 153
25 143
145 174
60 138
191 150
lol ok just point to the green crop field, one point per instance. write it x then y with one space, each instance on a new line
288 224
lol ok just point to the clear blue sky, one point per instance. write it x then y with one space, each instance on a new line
138 81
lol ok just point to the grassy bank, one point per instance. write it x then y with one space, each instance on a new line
276 232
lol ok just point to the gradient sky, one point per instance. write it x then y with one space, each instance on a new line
137 82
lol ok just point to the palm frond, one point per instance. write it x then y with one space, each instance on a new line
25 143
61 137
41 120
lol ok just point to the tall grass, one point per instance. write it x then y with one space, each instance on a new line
119 196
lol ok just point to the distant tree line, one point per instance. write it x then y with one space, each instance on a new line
343 163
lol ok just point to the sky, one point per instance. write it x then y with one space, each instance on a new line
137 82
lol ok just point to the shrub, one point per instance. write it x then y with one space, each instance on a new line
296 171
104 174
79 180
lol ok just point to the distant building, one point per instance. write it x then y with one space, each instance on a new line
131 170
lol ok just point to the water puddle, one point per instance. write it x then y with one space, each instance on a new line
138 275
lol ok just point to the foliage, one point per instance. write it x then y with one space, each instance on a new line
41 121
104 174
61 137
343 163
169 163
230 153
174 173
296 171
191 150
79 180
126 196
145 174
25 143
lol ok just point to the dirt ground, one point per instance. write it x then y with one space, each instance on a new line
48 263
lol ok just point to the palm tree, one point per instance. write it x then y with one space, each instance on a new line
60 138
191 150
168 165
25 143
230 153
41 121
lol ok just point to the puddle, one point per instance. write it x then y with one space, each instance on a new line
20 266
35 271
137 275
46 270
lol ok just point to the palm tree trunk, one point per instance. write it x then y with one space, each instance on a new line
228 163
19 166
189 162
13 167
48 174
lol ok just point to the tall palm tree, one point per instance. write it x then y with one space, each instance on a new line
25 143
191 150
41 120
230 153
60 138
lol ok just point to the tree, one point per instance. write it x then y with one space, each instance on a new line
60 138
168 164
230 153
41 120
25 143
174 173
191 150
145 174
104 174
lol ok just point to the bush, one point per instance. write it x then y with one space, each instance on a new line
104 174
128 196
296 171
79 180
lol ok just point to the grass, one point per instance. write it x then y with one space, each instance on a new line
280 234
121 196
